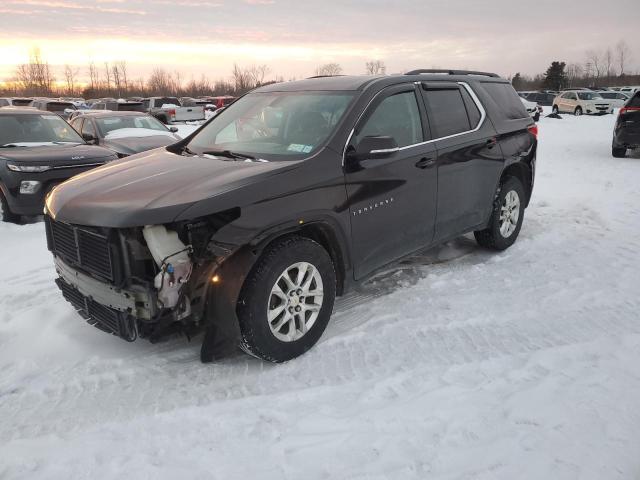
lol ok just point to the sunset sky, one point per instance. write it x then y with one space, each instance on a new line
207 36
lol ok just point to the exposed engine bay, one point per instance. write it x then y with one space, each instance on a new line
140 282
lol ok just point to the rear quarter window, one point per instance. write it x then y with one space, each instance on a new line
506 99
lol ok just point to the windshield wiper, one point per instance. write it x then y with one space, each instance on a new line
189 151
229 154
11 145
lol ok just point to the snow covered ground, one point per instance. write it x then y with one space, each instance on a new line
458 364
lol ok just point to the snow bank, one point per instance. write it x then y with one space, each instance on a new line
458 363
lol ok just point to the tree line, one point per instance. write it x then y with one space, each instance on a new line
37 78
608 67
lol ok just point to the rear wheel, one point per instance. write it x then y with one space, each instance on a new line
287 300
6 215
618 152
578 111
506 218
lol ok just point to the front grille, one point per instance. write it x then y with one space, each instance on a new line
104 318
80 247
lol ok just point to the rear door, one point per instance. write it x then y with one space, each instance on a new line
469 160
392 200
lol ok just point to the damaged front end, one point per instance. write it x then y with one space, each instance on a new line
143 282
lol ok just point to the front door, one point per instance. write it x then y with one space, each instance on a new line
392 200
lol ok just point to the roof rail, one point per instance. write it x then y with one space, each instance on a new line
451 72
324 76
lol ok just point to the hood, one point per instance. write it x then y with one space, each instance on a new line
57 155
132 145
152 188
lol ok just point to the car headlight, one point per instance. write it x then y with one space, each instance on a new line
28 168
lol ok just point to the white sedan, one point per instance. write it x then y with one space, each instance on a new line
581 102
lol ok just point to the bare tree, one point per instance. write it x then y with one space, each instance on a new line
35 77
115 72
258 74
594 63
622 55
94 77
376 67
607 60
122 67
328 70
70 76
160 82
574 71
242 78
107 73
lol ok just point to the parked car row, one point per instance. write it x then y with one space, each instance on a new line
39 150
169 110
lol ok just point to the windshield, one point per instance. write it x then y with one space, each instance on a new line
16 129
167 101
277 125
110 124
589 96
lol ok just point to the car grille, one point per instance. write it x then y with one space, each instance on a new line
104 318
89 250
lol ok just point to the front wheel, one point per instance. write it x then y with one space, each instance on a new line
555 110
578 111
506 218
536 117
287 300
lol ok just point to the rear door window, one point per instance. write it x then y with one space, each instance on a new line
447 112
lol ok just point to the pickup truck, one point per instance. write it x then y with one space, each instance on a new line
169 110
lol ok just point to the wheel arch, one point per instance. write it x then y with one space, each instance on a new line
222 327
522 172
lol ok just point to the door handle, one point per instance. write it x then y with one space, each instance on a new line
425 162
492 142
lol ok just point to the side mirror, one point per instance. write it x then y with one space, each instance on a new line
89 138
173 129
376 147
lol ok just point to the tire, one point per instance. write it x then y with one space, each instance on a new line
536 117
498 236
555 109
618 152
578 111
277 340
7 215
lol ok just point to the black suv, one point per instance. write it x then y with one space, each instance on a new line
626 133
252 225
38 150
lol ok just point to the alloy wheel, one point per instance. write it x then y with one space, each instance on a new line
295 302
509 214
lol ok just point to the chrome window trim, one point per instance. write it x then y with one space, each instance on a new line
465 85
